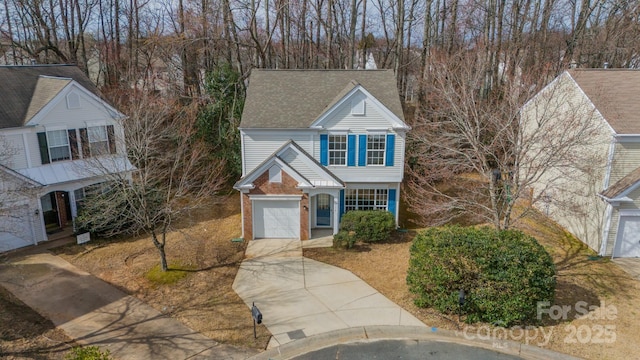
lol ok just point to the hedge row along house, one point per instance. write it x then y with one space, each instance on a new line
59 140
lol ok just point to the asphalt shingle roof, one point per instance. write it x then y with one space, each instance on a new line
622 185
296 98
24 90
613 92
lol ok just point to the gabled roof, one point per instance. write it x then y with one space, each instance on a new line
313 174
296 98
21 87
46 89
623 185
614 92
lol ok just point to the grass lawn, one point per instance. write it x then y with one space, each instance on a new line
580 278
205 262
202 266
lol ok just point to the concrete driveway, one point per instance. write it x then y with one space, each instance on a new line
95 313
630 265
300 297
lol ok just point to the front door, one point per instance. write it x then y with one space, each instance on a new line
323 210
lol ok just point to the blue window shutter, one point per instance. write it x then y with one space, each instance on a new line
351 150
362 150
391 143
341 203
391 202
324 149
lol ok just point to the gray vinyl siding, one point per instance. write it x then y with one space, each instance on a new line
89 110
15 145
342 119
292 158
573 188
613 232
626 159
615 218
260 145
377 173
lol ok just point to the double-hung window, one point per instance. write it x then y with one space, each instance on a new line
58 141
337 149
375 149
365 199
98 140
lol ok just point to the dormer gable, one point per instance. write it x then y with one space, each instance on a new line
298 164
57 98
359 103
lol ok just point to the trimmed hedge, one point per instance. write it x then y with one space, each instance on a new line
365 226
503 273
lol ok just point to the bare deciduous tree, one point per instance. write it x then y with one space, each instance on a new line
473 153
175 175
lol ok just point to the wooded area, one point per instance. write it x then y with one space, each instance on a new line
463 67
135 43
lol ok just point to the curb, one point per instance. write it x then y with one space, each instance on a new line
374 333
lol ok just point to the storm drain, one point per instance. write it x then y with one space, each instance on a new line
296 335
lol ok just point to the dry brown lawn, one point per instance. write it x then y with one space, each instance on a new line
204 299
24 334
580 278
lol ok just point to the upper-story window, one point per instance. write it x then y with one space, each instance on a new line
337 149
98 140
375 149
58 141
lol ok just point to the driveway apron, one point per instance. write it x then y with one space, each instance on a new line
95 313
300 297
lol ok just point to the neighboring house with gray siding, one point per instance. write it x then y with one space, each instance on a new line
316 144
59 140
603 208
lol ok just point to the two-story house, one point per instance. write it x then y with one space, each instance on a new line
316 144
595 192
59 139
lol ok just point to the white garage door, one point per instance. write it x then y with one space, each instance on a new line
15 231
276 219
628 241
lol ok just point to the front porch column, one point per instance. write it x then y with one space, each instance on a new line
336 212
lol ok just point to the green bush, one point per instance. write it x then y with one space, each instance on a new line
88 353
503 273
343 240
369 225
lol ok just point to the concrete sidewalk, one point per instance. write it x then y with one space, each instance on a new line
300 297
95 313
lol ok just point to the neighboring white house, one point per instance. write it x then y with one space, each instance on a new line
59 138
597 198
316 144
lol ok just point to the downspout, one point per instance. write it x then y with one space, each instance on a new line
609 211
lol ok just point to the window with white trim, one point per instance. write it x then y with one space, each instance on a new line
337 149
365 199
58 142
98 140
375 149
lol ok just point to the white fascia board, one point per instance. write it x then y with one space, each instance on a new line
62 95
320 170
627 138
393 119
248 181
280 131
275 197
623 197
16 130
